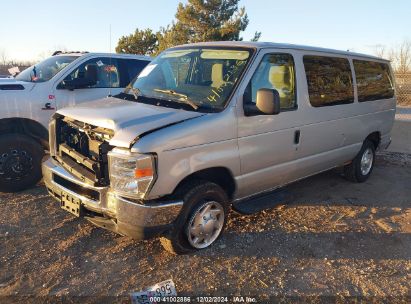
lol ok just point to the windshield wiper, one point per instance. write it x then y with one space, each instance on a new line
134 91
183 97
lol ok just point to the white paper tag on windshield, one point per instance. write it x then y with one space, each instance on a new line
153 294
14 70
100 63
147 70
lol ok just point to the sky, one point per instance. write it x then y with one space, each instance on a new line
31 30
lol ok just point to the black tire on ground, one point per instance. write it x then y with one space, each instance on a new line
353 171
20 162
194 194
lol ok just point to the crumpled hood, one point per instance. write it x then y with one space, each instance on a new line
128 119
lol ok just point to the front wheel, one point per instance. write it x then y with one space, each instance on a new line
20 162
362 165
201 221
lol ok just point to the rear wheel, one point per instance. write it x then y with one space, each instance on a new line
362 165
201 221
20 162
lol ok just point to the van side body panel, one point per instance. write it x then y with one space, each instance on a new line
330 135
260 151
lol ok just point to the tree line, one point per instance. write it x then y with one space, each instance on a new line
5 61
399 55
195 21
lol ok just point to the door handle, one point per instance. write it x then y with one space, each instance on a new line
297 137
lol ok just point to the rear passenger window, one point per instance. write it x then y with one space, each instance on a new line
276 71
129 69
374 80
329 80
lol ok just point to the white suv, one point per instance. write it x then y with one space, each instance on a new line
29 100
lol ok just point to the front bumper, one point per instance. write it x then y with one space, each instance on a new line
106 209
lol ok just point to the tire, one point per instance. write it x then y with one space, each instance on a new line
198 197
20 162
357 173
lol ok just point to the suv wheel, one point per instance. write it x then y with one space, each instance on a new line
20 162
201 221
362 165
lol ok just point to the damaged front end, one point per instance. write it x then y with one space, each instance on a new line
82 149
78 176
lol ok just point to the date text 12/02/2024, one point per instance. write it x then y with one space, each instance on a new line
198 299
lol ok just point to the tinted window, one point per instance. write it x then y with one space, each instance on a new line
276 71
98 72
131 68
374 80
329 80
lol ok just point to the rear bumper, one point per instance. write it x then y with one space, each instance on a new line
104 208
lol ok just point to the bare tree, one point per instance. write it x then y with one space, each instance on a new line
3 57
43 55
402 57
380 50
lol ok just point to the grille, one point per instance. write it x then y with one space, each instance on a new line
82 150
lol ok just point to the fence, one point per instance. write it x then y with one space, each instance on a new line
403 82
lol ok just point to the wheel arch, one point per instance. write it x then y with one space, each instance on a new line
375 138
221 176
25 126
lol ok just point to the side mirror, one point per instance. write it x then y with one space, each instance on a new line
268 101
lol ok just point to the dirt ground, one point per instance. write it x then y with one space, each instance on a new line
331 238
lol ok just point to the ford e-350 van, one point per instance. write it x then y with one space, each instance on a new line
208 125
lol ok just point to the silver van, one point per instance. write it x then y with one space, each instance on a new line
209 125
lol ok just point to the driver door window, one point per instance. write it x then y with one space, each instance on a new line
276 71
94 73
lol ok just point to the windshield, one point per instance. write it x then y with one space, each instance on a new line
46 69
196 77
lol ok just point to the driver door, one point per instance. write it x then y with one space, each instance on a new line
93 79
268 144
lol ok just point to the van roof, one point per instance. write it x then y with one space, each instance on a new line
113 55
264 45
